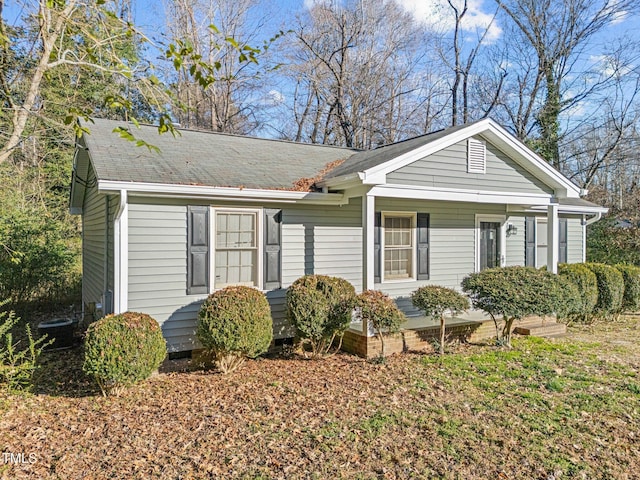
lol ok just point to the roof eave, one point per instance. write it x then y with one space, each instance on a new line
219 193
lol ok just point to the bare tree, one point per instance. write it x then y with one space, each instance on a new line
227 105
358 74
558 32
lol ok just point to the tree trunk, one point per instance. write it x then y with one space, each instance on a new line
442 332
50 31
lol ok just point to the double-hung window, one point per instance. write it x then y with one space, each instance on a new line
236 248
233 246
399 246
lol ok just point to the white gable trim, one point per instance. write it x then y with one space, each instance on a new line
497 136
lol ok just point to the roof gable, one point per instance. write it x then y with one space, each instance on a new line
373 166
448 168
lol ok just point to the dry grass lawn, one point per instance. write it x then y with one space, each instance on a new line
548 409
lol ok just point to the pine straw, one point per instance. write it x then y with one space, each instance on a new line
544 409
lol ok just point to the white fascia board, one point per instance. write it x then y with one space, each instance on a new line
229 193
574 209
494 133
460 195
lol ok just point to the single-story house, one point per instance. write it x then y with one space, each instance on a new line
162 230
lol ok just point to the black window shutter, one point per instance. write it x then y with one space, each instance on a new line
377 254
530 241
562 244
272 248
423 246
197 249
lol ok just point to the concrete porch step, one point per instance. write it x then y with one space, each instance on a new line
546 329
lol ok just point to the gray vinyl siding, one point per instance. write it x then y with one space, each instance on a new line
452 238
448 169
516 242
315 239
93 244
575 245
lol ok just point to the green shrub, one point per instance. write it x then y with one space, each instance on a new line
123 349
35 255
586 283
381 312
235 323
610 289
434 301
320 308
631 296
514 293
17 364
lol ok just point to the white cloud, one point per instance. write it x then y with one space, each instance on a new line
619 17
608 66
437 14
275 97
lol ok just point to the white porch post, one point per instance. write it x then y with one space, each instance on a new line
368 223
121 255
553 238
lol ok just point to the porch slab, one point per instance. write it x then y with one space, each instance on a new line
419 333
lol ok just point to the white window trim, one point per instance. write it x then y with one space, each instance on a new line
502 219
259 239
414 246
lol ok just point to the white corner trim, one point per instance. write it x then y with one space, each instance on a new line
121 255
553 238
460 195
201 191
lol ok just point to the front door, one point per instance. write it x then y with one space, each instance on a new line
489 245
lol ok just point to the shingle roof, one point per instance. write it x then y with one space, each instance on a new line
205 158
364 160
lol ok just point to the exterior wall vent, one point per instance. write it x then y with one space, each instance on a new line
476 156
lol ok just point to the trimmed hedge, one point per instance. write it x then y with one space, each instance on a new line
235 323
610 288
631 296
513 293
320 308
586 283
434 301
382 312
121 350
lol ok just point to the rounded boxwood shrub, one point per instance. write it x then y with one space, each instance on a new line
123 349
512 293
320 308
434 301
235 323
610 289
631 296
381 312
586 283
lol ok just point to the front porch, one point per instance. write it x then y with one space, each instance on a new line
419 333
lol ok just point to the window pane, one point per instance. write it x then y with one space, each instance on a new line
236 253
398 250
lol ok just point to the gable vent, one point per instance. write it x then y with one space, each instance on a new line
476 156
